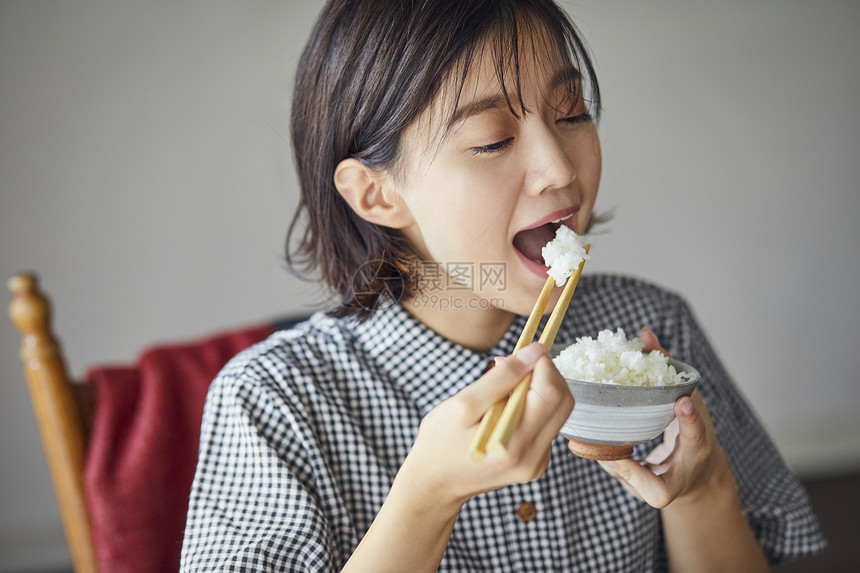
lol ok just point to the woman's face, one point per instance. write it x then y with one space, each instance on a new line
487 196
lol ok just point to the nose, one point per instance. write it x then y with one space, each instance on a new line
551 167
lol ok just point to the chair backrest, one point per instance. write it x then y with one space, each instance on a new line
122 445
59 404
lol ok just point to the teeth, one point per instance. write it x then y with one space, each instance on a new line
562 219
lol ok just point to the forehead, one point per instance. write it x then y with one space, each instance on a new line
496 76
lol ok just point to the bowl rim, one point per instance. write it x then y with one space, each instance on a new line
619 395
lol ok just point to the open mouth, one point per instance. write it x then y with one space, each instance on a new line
530 242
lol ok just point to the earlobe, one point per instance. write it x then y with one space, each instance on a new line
369 195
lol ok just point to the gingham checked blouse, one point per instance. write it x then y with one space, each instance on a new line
303 433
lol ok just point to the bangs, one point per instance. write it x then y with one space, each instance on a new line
512 31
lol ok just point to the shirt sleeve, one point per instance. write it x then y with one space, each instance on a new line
774 501
253 505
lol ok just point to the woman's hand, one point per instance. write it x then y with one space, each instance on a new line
685 465
414 524
689 478
687 462
439 459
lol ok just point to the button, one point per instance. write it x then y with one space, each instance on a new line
526 511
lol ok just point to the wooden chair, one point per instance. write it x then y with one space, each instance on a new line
65 410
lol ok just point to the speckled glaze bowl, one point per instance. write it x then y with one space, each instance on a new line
608 420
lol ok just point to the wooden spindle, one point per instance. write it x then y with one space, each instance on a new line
57 413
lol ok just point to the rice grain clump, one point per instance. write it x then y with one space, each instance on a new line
612 359
563 254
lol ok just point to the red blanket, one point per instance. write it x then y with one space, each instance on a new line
143 449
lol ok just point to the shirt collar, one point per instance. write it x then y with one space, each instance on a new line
428 366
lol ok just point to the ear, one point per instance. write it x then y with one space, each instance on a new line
371 195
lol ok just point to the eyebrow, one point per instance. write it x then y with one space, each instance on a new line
567 75
474 108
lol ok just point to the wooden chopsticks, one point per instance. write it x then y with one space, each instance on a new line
479 445
501 420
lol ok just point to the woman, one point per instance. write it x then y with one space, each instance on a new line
434 141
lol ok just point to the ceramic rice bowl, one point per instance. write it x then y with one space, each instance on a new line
608 420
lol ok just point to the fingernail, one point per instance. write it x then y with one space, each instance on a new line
531 353
608 465
686 405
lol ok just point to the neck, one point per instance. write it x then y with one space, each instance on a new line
461 319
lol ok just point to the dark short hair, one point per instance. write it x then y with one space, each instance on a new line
369 69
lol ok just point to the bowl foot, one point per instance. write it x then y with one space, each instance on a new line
600 451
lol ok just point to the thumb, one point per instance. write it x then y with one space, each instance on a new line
691 426
522 362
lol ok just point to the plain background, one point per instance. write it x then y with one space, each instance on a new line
145 173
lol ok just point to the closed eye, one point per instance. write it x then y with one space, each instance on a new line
493 147
584 117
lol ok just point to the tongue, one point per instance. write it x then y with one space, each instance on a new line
532 241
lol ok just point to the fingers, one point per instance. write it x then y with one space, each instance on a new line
548 405
650 342
661 453
549 387
610 467
641 482
501 380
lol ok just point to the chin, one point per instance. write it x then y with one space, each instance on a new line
519 303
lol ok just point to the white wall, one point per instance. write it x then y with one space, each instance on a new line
732 152
144 173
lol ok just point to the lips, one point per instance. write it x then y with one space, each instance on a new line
531 240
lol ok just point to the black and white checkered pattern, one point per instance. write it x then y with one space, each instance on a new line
302 436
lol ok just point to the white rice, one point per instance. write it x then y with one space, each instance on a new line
563 254
612 359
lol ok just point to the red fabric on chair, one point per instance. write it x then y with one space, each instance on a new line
143 449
